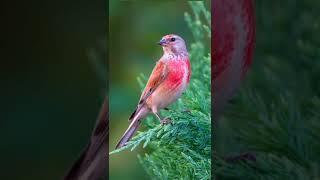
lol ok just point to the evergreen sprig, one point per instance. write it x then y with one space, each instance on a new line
276 114
182 150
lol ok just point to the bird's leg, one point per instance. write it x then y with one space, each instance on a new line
186 111
163 121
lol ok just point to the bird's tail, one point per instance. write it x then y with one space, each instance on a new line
129 133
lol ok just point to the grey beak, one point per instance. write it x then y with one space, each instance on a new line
162 42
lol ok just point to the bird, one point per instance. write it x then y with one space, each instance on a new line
168 80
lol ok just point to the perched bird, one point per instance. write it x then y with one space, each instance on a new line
168 80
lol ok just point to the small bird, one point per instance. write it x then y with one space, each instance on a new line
168 80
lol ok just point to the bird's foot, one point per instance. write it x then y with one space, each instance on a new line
186 111
165 121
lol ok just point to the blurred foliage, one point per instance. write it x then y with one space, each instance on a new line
276 114
186 144
50 94
96 57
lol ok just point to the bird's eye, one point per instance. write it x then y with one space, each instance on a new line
173 39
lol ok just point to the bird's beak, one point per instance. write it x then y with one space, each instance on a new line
162 42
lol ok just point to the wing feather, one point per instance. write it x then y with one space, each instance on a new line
158 75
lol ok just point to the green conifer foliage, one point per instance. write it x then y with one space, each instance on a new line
183 150
277 113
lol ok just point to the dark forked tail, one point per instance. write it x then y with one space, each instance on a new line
129 133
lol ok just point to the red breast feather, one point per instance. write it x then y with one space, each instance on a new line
179 74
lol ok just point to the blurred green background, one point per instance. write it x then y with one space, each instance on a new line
276 113
50 91
135 28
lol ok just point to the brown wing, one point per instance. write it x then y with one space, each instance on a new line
157 76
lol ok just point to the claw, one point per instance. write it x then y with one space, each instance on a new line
165 121
186 111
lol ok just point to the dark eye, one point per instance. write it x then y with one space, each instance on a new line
173 39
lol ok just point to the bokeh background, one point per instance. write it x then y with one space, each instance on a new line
135 28
50 90
276 113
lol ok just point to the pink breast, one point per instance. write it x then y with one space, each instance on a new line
176 73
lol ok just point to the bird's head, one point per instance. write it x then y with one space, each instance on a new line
173 44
